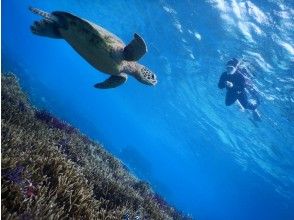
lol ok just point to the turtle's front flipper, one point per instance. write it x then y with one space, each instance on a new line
135 49
46 15
112 82
47 27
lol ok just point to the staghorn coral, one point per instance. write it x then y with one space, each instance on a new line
51 171
52 121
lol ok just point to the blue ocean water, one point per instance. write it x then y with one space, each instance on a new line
206 159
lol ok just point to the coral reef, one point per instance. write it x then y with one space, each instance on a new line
51 171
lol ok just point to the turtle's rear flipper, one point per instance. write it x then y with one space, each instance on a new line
135 49
111 82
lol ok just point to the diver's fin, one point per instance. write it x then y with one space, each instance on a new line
112 82
135 49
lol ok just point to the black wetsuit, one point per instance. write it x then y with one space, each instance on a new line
237 91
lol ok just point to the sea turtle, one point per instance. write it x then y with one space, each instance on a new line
102 49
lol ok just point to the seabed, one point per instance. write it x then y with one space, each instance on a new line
52 171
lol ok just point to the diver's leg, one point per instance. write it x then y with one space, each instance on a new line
242 109
231 97
243 99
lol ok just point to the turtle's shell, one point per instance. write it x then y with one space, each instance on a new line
102 49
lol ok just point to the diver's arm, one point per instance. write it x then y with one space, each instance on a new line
222 81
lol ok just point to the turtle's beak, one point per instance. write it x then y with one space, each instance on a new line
151 80
154 81
146 77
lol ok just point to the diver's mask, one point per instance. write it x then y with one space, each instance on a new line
231 70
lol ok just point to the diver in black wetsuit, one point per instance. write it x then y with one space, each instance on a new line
235 83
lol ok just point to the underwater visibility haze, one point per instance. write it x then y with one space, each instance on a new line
209 160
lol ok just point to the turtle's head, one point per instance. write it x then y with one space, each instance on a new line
140 72
146 76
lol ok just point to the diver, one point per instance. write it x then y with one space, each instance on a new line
234 80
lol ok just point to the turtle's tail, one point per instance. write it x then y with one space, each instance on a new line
46 15
47 27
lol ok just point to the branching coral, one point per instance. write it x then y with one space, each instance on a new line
51 171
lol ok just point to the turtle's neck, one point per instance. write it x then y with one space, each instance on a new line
131 68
